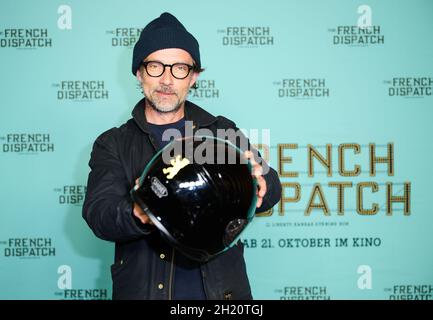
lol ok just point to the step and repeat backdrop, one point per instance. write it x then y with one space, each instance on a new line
336 94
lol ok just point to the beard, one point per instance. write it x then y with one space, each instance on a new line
162 105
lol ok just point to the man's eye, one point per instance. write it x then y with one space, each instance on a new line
181 67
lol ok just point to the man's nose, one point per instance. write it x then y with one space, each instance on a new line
166 77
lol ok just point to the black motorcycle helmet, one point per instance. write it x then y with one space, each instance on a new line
201 197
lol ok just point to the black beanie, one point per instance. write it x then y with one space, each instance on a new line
163 33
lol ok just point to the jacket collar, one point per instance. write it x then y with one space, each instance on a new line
199 116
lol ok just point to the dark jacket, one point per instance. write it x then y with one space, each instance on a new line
143 265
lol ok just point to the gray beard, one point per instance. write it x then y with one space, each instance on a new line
157 109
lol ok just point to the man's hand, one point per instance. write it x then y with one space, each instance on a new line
258 174
139 213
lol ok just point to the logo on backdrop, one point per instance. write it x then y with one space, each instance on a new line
124 37
64 283
81 90
363 34
246 36
308 88
64 21
28 248
26 143
22 38
71 194
410 291
365 277
303 293
206 90
410 87
35 38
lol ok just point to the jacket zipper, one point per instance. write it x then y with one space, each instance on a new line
170 280
203 279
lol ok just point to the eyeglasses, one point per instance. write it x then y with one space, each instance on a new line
156 69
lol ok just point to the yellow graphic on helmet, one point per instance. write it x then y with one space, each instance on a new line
177 164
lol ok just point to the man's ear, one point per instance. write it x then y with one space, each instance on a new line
194 78
138 75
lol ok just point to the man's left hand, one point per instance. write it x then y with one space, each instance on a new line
257 172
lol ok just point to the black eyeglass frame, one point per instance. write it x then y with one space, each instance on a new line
145 63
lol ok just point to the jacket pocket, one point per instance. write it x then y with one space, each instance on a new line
119 275
117 267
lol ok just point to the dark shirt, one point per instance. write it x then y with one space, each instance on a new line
188 283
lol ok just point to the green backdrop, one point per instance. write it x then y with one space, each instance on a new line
337 93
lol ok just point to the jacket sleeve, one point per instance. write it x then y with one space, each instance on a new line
108 207
273 184
273 192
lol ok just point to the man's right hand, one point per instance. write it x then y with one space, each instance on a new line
138 212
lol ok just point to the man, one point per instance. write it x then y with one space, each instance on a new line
166 61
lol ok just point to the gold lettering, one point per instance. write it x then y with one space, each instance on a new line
326 162
340 194
390 199
266 213
317 189
356 149
285 199
282 160
389 159
359 200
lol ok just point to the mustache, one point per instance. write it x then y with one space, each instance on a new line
165 89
